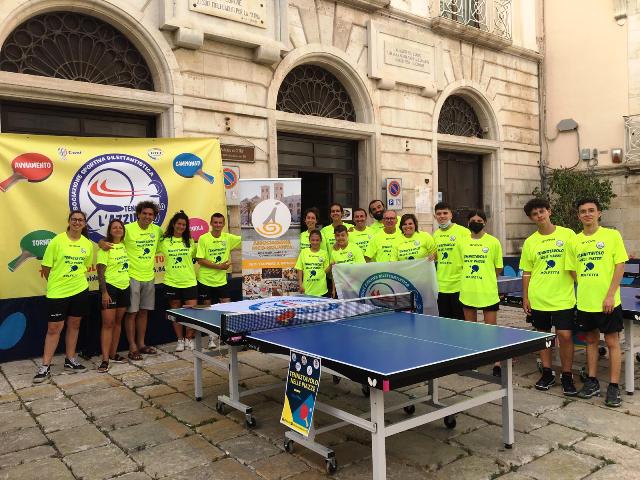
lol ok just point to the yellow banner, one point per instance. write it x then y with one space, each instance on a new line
42 178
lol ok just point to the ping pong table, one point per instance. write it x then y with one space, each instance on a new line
385 350
631 314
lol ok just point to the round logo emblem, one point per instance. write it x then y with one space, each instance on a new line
110 186
298 366
485 249
559 243
387 283
349 254
416 242
271 218
600 245
309 370
452 238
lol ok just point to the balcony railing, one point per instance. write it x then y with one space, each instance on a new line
492 17
632 138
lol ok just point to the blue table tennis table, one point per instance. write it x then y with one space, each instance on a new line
385 351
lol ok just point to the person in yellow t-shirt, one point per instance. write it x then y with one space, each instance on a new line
141 242
596 259
336 211
481 256
214 258
344 251
360 234
412 244
64 266
113 278
311 217
180 284
381 245
548 295
448 261
376 210
312 266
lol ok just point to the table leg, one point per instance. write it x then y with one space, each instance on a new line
507 403
378 448
629 370
197 367
234 374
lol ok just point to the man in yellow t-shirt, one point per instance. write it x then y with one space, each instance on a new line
360 234
448 261
596 259
214 257
141 242
548 295
381 245
376 210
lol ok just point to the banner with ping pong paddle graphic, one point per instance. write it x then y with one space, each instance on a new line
303 383
43 177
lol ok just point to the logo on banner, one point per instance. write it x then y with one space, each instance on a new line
110 186
387 283
276 304
271 218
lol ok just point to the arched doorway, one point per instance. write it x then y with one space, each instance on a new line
460 173
328 167
78 47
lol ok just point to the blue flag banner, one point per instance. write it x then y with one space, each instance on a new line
384 278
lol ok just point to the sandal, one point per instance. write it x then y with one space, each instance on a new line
135 356
117 358
148 350
104 367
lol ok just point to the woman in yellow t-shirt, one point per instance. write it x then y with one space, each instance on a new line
413 244
481 256
312 267
113 278
180 282
64 266
311 217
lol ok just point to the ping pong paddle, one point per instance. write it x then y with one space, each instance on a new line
32 245
187 165
33 167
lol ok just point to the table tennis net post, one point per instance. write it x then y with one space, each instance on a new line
234 327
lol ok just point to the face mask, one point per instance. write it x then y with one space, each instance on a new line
476 227
378 216
444 226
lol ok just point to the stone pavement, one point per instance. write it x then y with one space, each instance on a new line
140 421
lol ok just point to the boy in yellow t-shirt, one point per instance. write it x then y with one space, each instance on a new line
548 295
344 251
596 259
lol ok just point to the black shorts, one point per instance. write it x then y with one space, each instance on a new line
213 294
119 298
491 308
449 305
605 322
560 319
182 294
74 306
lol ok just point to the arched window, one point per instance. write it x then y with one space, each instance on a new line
457 117
312 90
77 47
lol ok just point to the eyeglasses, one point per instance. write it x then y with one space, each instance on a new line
389 219
77 220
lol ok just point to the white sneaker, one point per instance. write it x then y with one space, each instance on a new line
189 343
211 344
180 345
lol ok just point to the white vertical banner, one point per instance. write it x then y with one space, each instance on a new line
270 223
385 278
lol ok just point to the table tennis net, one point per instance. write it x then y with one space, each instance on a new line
235 326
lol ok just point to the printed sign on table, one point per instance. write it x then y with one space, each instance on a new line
303 383
270 221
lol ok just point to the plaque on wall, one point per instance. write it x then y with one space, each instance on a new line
251 12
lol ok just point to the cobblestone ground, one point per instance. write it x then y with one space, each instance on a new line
141 421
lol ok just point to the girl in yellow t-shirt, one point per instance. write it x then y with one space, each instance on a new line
113 278
312 267
64 265
481 256
180 282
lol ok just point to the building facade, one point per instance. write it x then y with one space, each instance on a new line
441 94
594 79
